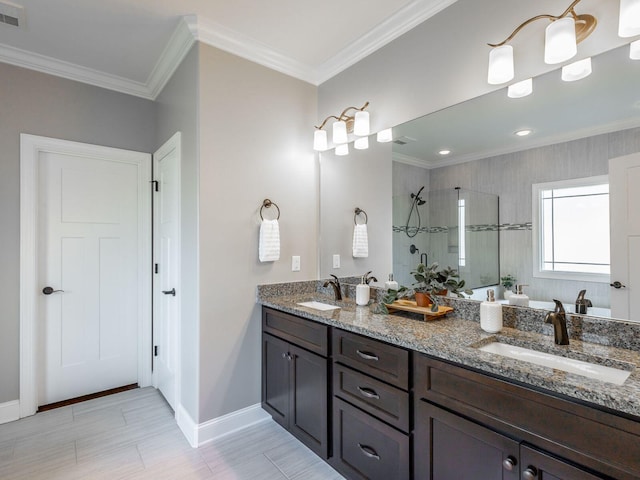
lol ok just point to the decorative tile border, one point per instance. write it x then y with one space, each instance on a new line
469 228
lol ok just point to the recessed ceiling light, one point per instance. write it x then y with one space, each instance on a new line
523 132
444 152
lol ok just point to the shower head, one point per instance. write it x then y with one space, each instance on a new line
421 201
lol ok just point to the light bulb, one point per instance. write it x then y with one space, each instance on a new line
385 135
361 124
340 132
577 70
560 41
500 65
520 89
320 140
361 143
342 150
629 25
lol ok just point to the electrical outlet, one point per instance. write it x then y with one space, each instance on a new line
295 263
336 261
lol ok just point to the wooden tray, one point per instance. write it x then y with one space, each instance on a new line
410 306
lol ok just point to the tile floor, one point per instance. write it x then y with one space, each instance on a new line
133 435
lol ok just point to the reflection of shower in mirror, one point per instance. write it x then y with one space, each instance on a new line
416 202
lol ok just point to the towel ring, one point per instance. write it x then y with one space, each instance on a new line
358 212
267 204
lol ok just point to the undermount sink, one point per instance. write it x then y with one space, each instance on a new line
318 306
603 373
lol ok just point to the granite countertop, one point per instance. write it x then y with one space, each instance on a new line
456 339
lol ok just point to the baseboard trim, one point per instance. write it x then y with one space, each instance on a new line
200 434
9 411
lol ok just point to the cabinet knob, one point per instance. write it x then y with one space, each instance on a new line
509 462
369 452
530 473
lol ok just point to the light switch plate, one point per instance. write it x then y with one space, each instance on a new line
336 261
295 263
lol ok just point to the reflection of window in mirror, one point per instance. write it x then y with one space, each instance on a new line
571 229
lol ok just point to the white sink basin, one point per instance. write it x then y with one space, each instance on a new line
318 306
599 372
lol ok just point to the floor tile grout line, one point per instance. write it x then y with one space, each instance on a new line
276 465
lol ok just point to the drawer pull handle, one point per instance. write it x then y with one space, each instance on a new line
368 392
369 452
368 355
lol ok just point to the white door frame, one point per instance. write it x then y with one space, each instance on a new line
30 148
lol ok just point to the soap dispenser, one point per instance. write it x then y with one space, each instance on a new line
519 299
391 284
491 314
362 293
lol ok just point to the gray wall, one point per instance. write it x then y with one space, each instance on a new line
255 143
177 110
361 179
40 104
511 176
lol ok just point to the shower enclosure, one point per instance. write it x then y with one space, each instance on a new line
454 227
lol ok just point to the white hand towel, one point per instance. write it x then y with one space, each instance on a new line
269 247
360 241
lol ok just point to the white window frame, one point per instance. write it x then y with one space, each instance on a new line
538 271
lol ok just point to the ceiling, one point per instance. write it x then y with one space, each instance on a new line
134 46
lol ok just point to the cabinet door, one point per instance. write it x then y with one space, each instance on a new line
537 465
275 378
448 447
309 400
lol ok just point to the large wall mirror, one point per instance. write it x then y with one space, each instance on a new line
577 127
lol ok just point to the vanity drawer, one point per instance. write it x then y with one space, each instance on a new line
305 333
366 448
588 436
388 403
384 362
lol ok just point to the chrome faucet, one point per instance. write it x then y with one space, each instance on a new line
337 288
559 321
368 278
582 303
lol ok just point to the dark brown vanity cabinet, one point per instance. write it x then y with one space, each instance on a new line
370 408
295 389
468 425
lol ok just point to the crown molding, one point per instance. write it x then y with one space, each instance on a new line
409 160
394 26
60 68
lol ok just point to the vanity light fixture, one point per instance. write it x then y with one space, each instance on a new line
577 70
361 143
342 149
351 120
385 136
634 50
520 89
629 23
523 133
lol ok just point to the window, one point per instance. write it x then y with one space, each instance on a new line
571 229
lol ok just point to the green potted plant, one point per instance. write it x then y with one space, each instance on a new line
508 281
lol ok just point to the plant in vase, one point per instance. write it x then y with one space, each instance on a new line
508 281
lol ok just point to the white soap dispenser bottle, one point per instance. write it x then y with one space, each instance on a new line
519 299
491 314
362 293
391 284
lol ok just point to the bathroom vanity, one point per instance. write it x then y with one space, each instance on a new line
397 398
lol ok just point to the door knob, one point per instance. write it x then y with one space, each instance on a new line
170 292
49 290
617 284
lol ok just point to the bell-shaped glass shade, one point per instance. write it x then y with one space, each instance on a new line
577 70
560 41
629 25
342 149
320 140
500 65
340 132
361 124
384 136
520 89
634 50
361 143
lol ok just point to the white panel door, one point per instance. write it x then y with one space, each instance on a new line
89 249
624 183
166 319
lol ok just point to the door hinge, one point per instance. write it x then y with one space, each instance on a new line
155 351
155 268
156 185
